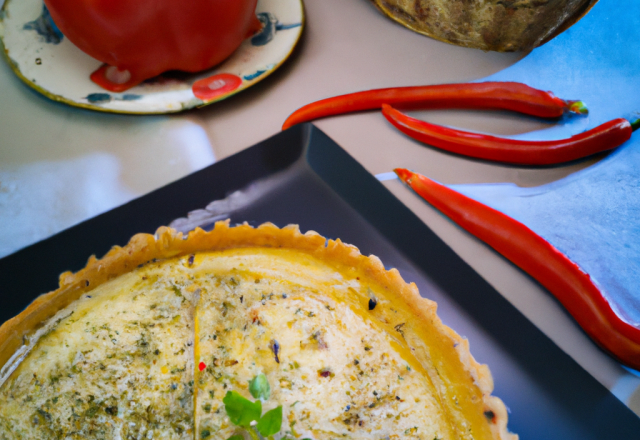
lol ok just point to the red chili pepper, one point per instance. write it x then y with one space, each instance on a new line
562 277
488 95
601 138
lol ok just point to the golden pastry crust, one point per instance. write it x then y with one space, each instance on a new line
503 26
168 243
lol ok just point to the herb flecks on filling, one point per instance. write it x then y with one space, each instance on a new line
333 372
168 350
120 366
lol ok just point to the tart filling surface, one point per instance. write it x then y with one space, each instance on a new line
347 348
118 363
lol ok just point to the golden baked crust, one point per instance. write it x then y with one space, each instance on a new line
499 25
442 353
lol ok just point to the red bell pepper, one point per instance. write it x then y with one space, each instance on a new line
487 95
143 38
481 146
575 290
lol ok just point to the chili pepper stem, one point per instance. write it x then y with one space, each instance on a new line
578 107
635 124
405 175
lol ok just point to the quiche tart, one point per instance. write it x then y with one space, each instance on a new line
185 337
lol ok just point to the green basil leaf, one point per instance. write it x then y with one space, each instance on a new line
236 437
241 411
271 422
259 387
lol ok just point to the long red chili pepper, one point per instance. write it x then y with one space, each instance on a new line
488 95
601 138
563 278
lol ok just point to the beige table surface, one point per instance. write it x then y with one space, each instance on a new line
61 165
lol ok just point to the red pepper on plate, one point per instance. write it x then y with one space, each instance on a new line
562 277
487 95
141 39
482 146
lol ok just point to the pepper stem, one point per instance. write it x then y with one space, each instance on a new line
635 123
404 174
578 107
253 434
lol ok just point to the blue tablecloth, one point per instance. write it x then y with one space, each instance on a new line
593 216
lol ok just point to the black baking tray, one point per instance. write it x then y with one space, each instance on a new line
301 176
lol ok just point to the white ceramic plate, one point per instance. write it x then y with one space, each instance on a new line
48 62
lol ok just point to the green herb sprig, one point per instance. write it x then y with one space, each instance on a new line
243 412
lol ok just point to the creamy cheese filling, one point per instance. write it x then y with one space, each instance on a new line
120 365
152 354
334 370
